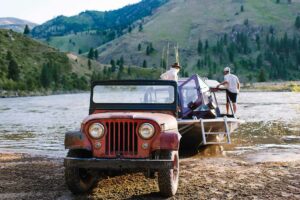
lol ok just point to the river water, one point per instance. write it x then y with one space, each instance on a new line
36 125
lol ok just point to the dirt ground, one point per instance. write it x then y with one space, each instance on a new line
26 177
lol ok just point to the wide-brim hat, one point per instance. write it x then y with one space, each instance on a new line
176 65
227 69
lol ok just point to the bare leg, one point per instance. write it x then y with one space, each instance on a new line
234 107
227 107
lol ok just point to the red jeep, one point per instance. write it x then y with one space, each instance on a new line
131 125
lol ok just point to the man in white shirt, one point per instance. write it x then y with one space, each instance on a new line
233 88
171 74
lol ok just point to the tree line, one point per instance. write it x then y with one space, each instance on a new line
267 57
54 74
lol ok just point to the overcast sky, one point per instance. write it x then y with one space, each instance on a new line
39 11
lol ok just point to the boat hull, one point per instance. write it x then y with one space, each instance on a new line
191 131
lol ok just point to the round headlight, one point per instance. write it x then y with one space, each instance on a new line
96 130
146 131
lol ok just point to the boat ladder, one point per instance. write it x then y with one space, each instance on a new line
226 133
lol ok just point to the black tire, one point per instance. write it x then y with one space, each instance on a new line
79 180
168 178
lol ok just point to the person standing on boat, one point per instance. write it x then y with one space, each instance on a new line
171 74
233 87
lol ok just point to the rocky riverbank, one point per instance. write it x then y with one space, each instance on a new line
26 177
12 94
285 86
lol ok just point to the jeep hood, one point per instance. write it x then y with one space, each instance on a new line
169 122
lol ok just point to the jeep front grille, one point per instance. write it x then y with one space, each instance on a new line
121 138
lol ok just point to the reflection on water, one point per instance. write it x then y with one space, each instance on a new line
264 133
269 152
17 136
37 124
267 141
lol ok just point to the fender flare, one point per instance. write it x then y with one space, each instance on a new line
77 140
167 141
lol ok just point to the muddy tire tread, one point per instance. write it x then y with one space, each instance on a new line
72 175
165 177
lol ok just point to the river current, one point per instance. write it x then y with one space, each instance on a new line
36 125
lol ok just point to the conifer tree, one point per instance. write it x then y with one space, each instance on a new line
96 54
249 77
206 45
141 28
198 64
200 47
242 8
13 70
105 70
257 39
89 64
129 71
55 73
149 49
8 56
259 61
129 29
145 64
246 22
91 53
113 65
26 30
46 76
231 52
225 39
261 76
297 22
121 64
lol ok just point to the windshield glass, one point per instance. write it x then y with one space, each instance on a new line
134 94
189 92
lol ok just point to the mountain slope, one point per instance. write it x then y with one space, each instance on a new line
186 21
79 42
26 64
15 24
115 20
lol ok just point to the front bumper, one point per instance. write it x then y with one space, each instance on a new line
96 163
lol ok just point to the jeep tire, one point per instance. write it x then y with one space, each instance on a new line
168 178
80 180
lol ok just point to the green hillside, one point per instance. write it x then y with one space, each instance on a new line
91 29
79 42
27 65
238 32
116 20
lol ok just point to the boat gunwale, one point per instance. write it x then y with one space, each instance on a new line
215 120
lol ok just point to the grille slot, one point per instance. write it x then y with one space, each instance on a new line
121 138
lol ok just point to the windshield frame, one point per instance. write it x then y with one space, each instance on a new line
134 106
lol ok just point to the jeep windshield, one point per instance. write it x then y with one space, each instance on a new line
134 95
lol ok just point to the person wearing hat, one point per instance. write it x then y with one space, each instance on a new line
171 74
233 87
